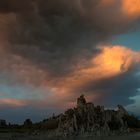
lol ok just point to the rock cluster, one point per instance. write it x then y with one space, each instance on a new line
87 119
2 123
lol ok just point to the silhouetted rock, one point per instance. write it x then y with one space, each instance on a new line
81 101
3 123
122 111
86 119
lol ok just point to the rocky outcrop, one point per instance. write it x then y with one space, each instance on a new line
87 119
81 101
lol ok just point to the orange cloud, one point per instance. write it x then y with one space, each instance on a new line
131 8
112 60
12 102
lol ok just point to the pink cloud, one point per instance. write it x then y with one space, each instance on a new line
12 102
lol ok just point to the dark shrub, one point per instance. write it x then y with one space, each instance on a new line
28 123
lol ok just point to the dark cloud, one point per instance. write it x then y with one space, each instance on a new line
47 40
16 6
114 90
56 35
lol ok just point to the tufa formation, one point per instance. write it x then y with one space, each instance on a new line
87 119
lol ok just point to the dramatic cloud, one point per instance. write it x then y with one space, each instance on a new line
58 46
112 74
108 73
55 32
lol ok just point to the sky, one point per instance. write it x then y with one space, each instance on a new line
51 52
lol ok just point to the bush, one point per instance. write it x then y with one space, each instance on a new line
28 123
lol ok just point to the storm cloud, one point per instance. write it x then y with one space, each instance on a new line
52 33
55 44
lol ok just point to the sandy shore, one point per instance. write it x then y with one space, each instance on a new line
14 136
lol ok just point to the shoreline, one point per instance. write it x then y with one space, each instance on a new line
44 136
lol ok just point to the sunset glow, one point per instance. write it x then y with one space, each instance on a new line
112 61
51 52
12 102
131 8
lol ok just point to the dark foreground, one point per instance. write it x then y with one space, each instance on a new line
85 119
14 136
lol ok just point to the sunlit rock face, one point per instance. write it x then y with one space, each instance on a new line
87 119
